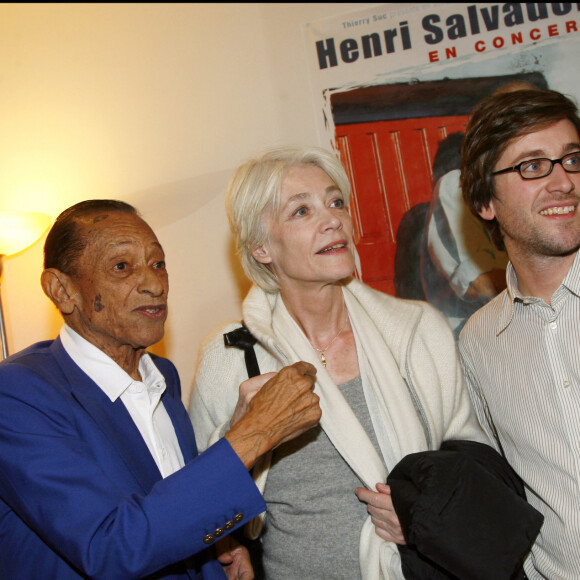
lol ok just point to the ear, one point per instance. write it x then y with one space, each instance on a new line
60 288
262 255
487 213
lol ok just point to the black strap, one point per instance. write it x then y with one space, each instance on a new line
242 338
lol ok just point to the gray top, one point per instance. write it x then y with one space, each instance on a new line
314 518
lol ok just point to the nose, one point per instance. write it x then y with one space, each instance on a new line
560 179
331 220
153 281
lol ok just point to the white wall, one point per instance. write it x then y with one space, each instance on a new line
154 104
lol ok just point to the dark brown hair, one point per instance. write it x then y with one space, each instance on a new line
495 121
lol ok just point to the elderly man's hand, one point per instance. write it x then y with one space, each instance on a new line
380 508
283 408
247 391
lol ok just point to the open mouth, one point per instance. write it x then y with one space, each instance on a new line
331 248
563 210
152 311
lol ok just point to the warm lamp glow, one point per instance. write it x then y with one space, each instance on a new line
20 229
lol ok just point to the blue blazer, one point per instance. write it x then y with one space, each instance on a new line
80 493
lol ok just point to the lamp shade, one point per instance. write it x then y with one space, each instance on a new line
20 229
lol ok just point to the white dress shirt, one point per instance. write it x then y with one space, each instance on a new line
141 398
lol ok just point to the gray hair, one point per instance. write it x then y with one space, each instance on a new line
256 186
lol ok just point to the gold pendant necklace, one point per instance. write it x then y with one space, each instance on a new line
321 350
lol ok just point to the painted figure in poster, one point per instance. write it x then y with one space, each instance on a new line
461 269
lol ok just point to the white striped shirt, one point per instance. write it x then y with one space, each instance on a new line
521 359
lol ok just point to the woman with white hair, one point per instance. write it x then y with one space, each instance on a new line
387 372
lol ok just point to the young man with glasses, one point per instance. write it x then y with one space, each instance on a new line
520 173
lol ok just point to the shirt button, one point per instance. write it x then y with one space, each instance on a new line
553 325
566 384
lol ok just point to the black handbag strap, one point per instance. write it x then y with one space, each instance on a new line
242 338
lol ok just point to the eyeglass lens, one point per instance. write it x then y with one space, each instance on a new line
535 168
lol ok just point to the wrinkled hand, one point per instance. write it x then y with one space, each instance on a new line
235 559
380 508
247 391
283 408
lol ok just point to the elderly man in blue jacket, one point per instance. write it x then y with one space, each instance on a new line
100 476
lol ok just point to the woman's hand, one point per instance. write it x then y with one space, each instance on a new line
380 508
247 391
235 559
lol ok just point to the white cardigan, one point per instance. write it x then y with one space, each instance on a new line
410 371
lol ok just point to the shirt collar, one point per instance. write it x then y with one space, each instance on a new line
572 279
571 282
506 300
103 370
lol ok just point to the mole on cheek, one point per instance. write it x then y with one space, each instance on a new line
98 305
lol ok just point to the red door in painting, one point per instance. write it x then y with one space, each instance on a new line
390 167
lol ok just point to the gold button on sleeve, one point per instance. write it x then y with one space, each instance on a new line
238 518
219 532
208 539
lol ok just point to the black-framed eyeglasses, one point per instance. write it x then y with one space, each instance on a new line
541 167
